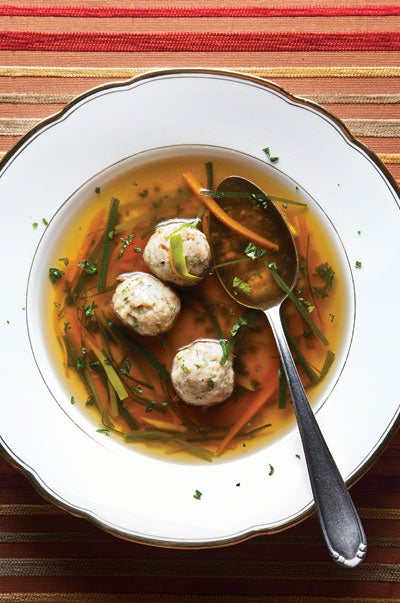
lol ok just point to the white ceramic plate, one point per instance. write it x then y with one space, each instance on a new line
128 493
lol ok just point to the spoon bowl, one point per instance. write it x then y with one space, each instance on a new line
262 279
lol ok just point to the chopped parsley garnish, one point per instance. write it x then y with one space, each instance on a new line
89 267
239 322
254 252
35 224
55 274
197 495
271 469
45 222
125 369
271 157
325 273
238 283
358 264
210 383
89 312
125 242
104 431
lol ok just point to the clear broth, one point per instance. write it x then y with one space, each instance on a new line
149 194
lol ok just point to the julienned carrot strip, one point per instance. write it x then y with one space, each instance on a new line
256 401
225 218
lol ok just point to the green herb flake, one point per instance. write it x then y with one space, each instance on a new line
72 400
271 469
97 190
239 322
297 456
125 243
89 267
210 384
238 283
55 274
254 252
104 431
325 272
358 264
197 495
35 224
271 157
45 222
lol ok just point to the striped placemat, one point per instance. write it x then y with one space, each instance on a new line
345 57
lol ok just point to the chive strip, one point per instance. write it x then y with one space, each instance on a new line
110 371
302 310
311 374
230 263
210 174
254 431
329 359
226 349
93 390
152 360
148 435
107 239
129 419
112 395
251 196
202 453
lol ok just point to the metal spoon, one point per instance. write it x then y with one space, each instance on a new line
340 523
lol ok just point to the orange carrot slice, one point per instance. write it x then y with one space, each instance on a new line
252 402
225 218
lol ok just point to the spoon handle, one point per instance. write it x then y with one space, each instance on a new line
340 523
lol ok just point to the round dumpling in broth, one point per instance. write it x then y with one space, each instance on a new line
145 304
195 248
198 376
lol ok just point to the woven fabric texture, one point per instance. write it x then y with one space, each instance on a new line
343 56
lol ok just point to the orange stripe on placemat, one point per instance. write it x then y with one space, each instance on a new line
199 42
328 71
198 11
375 128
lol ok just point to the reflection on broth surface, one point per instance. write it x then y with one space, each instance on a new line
123 377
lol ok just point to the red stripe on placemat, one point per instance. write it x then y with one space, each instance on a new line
198 11
199 42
